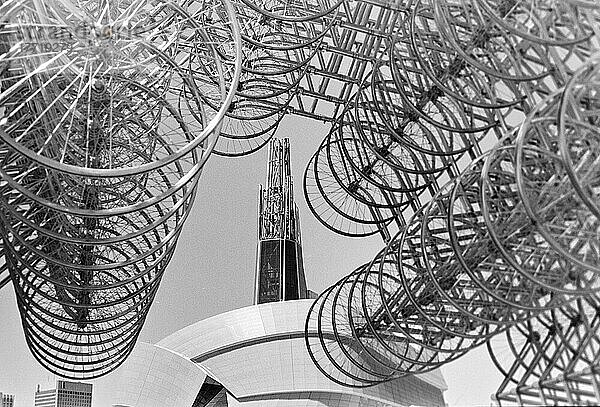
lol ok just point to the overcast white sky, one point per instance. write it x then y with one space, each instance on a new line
212 272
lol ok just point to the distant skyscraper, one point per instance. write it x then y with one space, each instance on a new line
66 394
45 398
7 400
280 267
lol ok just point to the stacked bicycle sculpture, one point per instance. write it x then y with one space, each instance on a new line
109 112
502 242
279 41
465 132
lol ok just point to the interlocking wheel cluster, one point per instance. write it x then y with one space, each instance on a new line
109 111
475 137
463 132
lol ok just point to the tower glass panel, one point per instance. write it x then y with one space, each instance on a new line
279 269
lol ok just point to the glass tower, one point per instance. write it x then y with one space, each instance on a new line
279 264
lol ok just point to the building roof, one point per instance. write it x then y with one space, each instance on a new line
260 350
154 376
